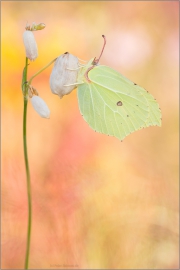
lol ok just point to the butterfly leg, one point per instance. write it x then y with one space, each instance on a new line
82 60
73 68
73 84
82 65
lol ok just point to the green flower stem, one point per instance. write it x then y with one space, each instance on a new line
25 94
24 89
41 70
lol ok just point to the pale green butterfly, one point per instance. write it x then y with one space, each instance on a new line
112 104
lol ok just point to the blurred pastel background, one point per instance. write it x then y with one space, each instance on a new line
98 203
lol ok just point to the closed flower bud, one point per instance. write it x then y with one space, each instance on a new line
36 27
30 45
64 73
40 106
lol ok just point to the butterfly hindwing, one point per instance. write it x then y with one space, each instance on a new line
113 105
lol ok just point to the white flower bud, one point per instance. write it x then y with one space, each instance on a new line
40 106
64 72
30 45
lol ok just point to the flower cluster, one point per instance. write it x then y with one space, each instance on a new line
63 78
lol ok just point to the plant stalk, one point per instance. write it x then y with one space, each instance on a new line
41 70
25 85
24 89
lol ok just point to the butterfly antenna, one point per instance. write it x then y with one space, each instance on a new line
96 61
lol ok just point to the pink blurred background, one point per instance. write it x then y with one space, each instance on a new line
97 202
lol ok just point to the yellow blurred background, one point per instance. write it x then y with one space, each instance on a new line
97 202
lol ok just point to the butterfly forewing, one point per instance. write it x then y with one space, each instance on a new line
114 105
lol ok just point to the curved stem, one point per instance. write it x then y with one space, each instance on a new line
26 165
41 70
